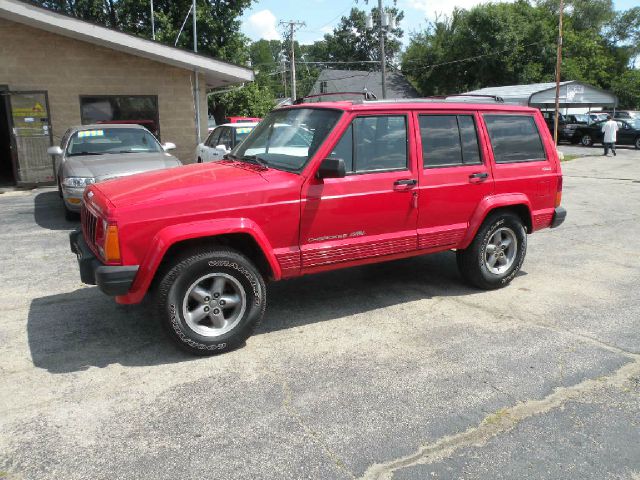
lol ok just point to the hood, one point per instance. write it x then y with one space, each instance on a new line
176 185
104 167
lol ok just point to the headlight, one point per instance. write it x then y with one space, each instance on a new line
78 182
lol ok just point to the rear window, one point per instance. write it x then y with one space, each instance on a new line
514 138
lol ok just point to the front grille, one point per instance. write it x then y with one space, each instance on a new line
89 223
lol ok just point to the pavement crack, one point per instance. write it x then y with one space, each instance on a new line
500 422
287 404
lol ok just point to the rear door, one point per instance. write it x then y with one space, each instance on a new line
523 162
454 176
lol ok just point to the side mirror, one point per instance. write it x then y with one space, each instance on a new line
54 150
223 148
332 168
168 146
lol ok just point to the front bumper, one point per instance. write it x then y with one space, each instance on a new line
111 280
72 198
558 217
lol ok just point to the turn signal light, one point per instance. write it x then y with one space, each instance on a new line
112 244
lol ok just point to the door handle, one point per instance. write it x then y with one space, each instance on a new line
408 182
478 177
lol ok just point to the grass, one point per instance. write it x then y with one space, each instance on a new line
568 158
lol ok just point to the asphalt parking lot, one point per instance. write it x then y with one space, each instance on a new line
395 370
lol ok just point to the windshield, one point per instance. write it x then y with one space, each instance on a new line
107 140
287 139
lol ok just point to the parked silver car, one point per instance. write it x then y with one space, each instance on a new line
94 153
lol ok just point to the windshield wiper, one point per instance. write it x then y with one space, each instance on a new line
256 159
83 153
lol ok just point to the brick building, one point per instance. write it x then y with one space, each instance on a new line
58 71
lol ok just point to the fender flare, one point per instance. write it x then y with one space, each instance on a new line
488 204
171 235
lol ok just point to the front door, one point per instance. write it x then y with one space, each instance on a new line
31 137
454 177
371 212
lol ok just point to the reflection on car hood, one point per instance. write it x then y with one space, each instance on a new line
104 167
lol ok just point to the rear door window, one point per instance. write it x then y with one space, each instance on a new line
449 140
514 138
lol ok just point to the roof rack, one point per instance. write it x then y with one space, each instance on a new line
440 98
366 96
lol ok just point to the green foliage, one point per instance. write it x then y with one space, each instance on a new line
508 44
252 100
218 22
627 88
352 41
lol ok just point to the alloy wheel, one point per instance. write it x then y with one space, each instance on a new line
214 304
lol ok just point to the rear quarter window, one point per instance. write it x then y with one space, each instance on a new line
514 138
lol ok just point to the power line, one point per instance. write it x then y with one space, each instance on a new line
424 67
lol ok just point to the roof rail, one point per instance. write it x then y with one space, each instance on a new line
440 98
495 98
366 96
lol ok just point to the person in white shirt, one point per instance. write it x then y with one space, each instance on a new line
609 129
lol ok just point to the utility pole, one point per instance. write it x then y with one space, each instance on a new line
153 23
293 26
387 21
383 66
558 66
196 83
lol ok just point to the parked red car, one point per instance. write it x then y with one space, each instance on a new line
242 119
335 185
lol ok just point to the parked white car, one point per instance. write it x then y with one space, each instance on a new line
221 140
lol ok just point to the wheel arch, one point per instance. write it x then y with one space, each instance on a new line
515 203
177 241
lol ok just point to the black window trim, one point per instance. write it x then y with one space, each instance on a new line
353 144
535 124
450 165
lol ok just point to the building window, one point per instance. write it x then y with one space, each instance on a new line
134 109
324 88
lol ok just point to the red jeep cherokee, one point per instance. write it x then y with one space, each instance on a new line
318 187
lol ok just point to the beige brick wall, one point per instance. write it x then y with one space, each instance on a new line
32 59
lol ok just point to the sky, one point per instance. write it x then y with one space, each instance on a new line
320 16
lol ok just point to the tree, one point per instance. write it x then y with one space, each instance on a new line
351 41
508 44
218 22
252 100
627 88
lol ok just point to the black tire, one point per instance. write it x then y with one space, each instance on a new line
59 188
178 279
586 140
199 160
636 143
472 261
